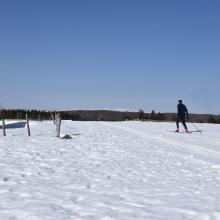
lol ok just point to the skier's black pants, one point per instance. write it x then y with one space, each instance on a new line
181 119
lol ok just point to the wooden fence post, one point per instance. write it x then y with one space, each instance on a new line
58 124
28 126
3 126
52 117
3 121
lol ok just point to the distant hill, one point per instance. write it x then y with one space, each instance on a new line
108 115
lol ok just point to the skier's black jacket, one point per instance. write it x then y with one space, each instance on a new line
182 111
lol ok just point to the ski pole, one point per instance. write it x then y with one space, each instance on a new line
197 128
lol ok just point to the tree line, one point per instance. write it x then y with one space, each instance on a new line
103 115
20 114
40 115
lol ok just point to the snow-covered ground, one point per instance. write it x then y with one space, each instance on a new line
110 171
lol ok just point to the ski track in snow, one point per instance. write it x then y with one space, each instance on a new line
198 149
110 171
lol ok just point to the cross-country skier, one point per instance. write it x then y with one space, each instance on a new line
182 113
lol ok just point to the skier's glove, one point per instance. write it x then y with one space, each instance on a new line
187 116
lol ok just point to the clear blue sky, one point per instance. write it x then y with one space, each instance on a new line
110 54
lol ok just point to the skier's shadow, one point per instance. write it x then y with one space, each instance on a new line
197 131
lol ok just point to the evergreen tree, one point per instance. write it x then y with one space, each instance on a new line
152 115
141 114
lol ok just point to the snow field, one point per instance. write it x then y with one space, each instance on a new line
110 171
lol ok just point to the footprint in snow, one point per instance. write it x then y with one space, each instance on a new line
5 179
